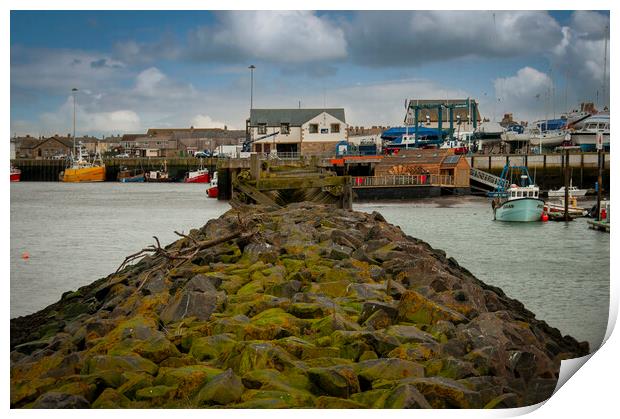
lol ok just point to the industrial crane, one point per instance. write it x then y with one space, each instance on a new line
247 144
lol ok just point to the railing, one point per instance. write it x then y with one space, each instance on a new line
401 180
486 178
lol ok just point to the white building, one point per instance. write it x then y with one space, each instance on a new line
305 131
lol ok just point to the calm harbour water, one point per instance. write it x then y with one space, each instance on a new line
77 233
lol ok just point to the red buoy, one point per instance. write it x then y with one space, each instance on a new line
25 255
544 217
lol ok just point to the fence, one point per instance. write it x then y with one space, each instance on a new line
401 180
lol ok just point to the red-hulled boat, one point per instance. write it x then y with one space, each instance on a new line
15 174
198 176
212 190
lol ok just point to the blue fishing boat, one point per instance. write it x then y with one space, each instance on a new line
413 137
516 203
125 175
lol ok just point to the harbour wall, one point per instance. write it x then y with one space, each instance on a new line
49 170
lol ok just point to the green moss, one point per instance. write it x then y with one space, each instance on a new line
156 395
156 349
134 382
187 380
327 402
253 287
371 398
111 399
293 265
212 347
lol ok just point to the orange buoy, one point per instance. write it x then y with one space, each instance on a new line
25 255
544 217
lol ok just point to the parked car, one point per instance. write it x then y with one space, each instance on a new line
59 157
202 154
122 156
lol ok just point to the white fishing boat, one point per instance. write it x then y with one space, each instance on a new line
521 204
572 191
585 138
558 207
516 203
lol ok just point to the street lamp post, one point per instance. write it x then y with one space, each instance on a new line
248 134
74 93
252 67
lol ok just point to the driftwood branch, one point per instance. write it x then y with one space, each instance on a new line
182 255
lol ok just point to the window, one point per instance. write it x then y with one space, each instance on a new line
335 128
313 128
262 128
285 129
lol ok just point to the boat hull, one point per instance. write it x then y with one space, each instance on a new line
84 174
547 140
560 194
201 178
520 210
587 140
15 177
212 192
551 208
133 179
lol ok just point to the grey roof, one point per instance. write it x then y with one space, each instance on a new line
208 133
295 117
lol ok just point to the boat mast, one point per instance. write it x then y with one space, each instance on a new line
605 68
74 93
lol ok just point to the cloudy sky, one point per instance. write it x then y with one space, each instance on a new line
136 70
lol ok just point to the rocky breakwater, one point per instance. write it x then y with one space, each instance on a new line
306 306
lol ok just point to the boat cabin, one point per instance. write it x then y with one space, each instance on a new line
517 192
596 126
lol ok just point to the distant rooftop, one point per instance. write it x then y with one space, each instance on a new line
293 116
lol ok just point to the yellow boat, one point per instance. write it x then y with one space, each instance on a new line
83 172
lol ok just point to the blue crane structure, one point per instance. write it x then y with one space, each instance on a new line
413 107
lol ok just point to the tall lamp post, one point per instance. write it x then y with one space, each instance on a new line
247 128
252 67
74 93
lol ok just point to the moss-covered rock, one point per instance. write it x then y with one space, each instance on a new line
339 381
415 308
111 399
186 380
318 308
223 389
212 347
156 395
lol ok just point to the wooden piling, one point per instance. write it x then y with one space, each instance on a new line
566 184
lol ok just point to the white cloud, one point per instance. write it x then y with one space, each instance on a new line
590 25
149 82
60 70
581 57
276 36
205 121
87 121
527 95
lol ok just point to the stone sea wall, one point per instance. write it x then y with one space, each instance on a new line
304 307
